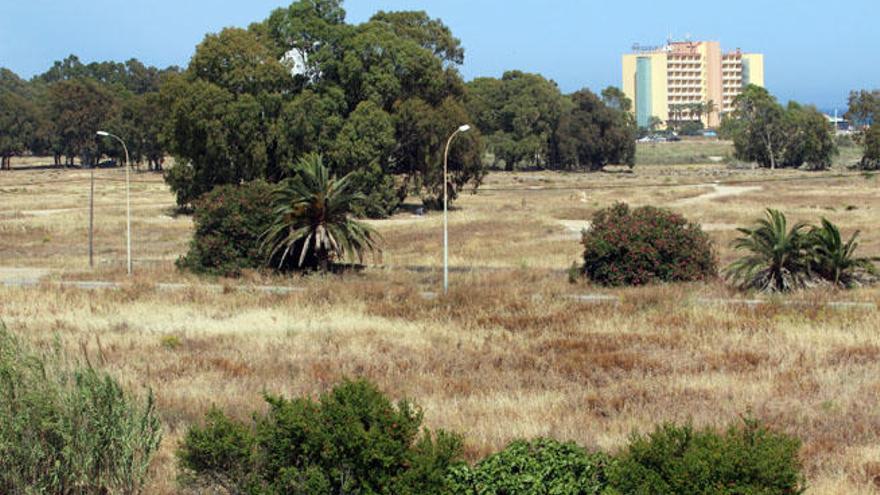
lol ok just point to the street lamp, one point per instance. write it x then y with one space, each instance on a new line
463 128
127 196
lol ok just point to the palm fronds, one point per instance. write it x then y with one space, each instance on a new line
781 259
313 225
835 260
779 256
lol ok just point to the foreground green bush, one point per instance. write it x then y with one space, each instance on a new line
69 430
351 440
645 245
229 221
746 460
538 467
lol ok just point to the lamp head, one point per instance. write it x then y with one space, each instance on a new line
464 128
103 133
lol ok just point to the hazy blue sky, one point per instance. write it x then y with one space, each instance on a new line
816 50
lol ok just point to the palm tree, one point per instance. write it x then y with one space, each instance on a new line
313 221
696 112
835 260
708 109
779 258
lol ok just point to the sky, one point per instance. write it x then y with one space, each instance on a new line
816 51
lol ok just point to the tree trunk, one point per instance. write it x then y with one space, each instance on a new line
323 261
770 152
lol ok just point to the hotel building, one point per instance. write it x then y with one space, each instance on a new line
678 81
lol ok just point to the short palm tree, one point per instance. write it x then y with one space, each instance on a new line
313 224
835 260
778 259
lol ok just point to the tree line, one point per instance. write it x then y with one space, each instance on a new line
58 112
376 99
528 122
793 136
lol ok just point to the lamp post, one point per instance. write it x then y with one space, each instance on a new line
463 128
127 196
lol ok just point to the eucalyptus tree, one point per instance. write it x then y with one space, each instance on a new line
78 108
864 110
593 135
431 34
18 118
254 101
871 158
765 132
519 114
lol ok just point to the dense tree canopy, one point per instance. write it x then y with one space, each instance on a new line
253 102
78 108
132 75
57 113
19 119
221 136
310 28
378 100
593 134
426 32
519 114
236 61
529 122
809 138
615 98
765 132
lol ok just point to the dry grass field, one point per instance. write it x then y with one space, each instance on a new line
508 353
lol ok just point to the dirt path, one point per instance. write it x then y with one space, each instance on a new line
21 275
720 191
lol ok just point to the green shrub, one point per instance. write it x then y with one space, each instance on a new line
229 221
746 460
170 342
538 467
645 245
181 180
351 440
69 429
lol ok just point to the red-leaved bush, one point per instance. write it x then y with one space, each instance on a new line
646 245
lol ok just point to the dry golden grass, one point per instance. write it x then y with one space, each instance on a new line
507 353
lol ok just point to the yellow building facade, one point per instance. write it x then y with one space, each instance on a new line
687 81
